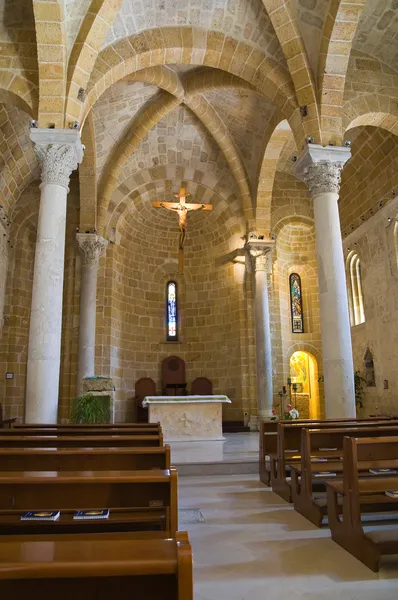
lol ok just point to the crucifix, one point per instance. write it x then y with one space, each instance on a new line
182 208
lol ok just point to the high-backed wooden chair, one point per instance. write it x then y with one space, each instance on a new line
143 387
173 376
201 386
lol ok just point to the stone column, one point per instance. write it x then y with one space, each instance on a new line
60 151
321 167
91 247
260 252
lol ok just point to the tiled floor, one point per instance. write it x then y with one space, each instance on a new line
254 546
237 447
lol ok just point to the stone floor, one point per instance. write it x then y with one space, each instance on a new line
254 546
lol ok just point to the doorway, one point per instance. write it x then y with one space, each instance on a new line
305 386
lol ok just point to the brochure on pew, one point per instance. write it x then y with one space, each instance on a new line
383 471
324 474
41 515
91 514
392 493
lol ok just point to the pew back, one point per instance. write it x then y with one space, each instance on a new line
84 459
76 441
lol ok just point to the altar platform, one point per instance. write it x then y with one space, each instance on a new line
237 454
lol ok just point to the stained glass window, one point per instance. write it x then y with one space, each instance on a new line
296 303
172 312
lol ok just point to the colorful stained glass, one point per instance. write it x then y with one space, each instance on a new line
171 323
296 303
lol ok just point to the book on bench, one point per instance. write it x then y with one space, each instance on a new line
324 474
327 449
383 471
392 493
91 514
41 515
318 459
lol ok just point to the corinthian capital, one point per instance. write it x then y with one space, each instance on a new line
320 167
260 253
59 152
92 247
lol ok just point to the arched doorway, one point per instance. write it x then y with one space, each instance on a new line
305 387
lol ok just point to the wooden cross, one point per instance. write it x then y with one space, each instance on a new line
182 209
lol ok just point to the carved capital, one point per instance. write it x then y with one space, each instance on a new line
320 167
59 152
260 253
92 247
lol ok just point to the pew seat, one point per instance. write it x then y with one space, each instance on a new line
137 500
97 567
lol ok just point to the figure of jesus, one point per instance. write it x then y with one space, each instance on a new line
182 211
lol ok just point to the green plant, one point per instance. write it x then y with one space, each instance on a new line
359 391
90 409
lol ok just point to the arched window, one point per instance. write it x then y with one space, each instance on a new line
369 369
296 303
171 311
357 313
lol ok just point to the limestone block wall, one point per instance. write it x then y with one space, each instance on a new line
375 242
214 324
295 252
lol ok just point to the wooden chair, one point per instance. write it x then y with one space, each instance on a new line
173 376
364 493
201 386
143 387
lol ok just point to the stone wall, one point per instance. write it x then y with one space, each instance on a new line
214 324
375 242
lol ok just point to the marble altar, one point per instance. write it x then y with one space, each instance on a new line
187 418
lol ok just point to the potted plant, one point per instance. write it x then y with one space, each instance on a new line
90 409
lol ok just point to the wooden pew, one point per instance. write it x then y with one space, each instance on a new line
308 491
87 431
84 459
268 438
96 566
137 500
75 441
364 493
289 443
85 425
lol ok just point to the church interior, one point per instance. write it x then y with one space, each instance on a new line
199 235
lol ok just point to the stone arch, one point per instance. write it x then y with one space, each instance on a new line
280 135
355 293
193 45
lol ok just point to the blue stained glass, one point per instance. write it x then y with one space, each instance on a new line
172 311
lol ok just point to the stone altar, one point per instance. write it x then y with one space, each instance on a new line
187 418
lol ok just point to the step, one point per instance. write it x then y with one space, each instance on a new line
218 468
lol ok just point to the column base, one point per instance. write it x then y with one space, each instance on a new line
253 423
265 413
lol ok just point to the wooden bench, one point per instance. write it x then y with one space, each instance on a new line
308 490
84 459
268 438
288 446
86 431
96 566
76 441
364 493
137 500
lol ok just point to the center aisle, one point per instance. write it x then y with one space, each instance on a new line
254 546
